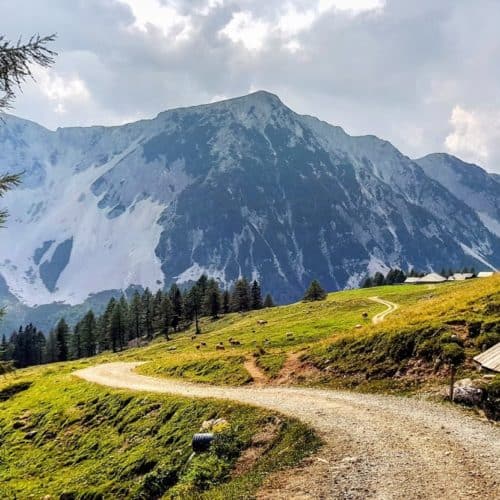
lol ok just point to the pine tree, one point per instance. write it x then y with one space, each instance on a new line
177 306
202 284
76 348
241 296
125 333
116 328
165 316
157 301
103 326
88 327
255 296
193 305
226 302
378 279
62 333
135 316
212 301
4 349
314 292
51 348
367 283
268 301
147 313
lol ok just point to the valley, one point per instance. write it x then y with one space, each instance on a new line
302 356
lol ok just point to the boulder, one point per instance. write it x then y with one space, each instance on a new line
466 392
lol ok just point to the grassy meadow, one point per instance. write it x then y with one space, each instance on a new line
61 437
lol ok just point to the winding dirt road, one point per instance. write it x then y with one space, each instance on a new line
391 307
377 447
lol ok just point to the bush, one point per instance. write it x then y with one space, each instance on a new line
453 354
474 328
487 340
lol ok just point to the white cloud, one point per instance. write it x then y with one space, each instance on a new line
473 134
162 17
244 28
253 31
355 6
61 90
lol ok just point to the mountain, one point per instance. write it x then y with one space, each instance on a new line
240 187
469 183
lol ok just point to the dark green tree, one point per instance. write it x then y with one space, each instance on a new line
378 279
88 332
193 305
135 316
367 283
268 301
212 301
226 302
62 336
76 349
166 314
147 314
241 296
314 292
255 296
176 299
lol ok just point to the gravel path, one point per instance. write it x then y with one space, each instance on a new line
391 307
377 447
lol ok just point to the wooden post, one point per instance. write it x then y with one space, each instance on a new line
452 381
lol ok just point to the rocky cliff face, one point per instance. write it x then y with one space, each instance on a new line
241 187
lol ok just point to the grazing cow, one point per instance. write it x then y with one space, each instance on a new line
203 344
219 347
261 322
193 337
359 326
365 315
198 346
235 342
289 334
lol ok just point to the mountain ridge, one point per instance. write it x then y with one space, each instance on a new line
244 186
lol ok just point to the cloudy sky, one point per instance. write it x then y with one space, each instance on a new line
423 74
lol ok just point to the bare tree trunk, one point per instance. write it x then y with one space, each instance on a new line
452 381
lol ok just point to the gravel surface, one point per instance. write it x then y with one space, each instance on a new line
377 447
391 307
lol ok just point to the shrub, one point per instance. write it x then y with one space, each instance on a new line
487 340
453 354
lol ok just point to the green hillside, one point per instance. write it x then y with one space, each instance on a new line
337 345
63 436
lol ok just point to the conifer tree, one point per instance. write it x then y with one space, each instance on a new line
4 349
76 343
125 334
314 292
157 300
367 283
135 316
51 348
88 332
241 296
147 313
226 302
212 301
165 316
268 301
193 305
177 306
62 333
255 296
378 279
202 284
